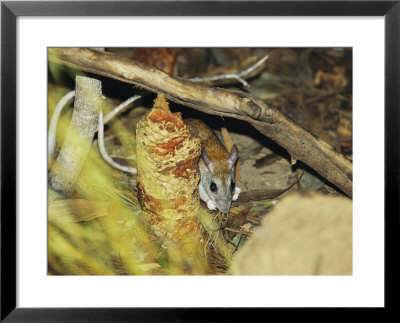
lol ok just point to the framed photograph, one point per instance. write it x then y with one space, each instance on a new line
187 160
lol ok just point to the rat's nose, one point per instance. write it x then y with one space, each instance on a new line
224 207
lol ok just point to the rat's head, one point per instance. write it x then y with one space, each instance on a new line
218 178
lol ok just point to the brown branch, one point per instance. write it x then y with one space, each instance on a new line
300 144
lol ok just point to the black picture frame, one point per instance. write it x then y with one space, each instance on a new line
10 10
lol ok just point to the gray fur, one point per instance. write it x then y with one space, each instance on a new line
223 197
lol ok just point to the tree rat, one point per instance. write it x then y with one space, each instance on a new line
217 185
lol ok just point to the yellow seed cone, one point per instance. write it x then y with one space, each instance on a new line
168 174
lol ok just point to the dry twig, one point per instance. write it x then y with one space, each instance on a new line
103 151
240 76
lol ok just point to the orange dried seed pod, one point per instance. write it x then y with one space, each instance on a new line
168 174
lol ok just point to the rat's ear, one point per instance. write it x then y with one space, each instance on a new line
233 155
207 161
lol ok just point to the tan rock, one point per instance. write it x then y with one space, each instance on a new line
303 235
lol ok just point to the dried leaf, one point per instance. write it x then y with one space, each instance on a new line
336 80
162 58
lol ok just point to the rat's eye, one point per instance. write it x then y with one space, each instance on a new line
232 186
213 187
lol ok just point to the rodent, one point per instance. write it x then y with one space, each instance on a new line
217 185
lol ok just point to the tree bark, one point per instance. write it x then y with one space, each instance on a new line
78 141
299 143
